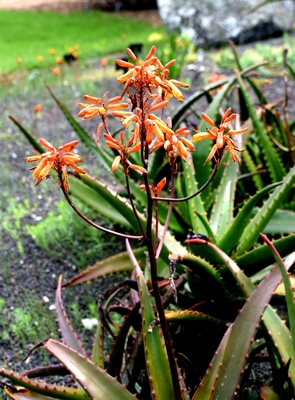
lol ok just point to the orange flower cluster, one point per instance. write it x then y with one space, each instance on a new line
148 89
58 159
221 136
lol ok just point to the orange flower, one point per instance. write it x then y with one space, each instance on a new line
221 135
38 108
58 159
125 151
146 74
99 106
175 145
40 58
19 60
156 190
215 78
104 62
52 52
56 71
59 60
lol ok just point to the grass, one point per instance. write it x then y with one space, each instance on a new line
29 34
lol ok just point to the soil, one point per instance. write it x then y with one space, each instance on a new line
34 273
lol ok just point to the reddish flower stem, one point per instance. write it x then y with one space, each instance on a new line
101 228
178 200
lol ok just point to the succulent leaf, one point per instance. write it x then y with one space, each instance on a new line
265 213
241 333
195 205
97 355
93 379
287 285
29 135
67 331
252 168
272 159
188 315
44 388
259 258
205 270
231 237
277 331
283 221
222 212
117 263
155 352
25 394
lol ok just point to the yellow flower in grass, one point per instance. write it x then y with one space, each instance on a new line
58 159
221 136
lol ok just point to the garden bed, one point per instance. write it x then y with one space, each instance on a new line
29 274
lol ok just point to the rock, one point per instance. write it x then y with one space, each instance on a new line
211 23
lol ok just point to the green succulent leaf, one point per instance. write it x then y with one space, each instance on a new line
97 355
155 352
44 388
117 263
273 162
252 168
283 221
195 205
25 394
93 379
69 336
231 237
287 285
265 213
116 356
259 258
36 145
205 390
267 393
239 341
206 271
222 213
278 333
188 315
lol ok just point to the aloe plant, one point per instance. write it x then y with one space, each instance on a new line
192 311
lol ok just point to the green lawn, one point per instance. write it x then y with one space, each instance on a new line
30 34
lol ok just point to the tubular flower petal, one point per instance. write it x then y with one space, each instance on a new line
221 136
116 163
58 159
138 168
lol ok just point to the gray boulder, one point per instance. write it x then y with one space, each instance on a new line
210 23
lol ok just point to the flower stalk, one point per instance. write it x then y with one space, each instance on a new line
142 115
